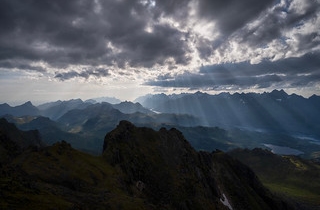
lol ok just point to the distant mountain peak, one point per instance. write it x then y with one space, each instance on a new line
200 93
314 96
275 91
5 105
24 109
129 107
279 94
28 103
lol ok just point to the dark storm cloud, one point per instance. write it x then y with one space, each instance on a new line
232 14
172 8
196 81
230 17
146 49
83 74
278 21
295 72
307 64
78 32
44 30
21 65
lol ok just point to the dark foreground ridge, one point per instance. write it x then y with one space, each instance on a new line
139 169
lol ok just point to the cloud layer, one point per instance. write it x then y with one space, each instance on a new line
288 73
187 43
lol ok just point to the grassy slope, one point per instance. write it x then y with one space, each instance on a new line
60 177
289 176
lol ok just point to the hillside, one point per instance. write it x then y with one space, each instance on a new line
139 169
288 176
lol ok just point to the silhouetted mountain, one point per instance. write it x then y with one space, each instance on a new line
111 100
21 110
278 94
275 111
315 100
5 108
152 101
128 107
55 110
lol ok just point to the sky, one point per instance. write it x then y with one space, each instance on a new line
57 49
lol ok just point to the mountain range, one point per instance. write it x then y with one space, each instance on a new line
225 121
84 124
275 111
